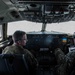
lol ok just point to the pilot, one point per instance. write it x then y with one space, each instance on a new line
20 39
65 61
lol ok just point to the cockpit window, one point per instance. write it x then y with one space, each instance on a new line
0 31
23 25
64 27
27 26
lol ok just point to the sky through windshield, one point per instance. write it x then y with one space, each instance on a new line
27 26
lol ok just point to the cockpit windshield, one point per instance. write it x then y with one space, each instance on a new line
65 27
23 25
27 26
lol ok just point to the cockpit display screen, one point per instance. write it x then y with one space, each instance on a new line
45 42
64 40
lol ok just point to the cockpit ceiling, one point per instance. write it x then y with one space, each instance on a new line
45 11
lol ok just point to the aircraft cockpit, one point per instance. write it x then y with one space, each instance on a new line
41 43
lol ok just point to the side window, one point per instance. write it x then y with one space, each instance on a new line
0 32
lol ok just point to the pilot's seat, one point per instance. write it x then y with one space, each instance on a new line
13 65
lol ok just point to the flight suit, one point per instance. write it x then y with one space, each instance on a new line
15 49
65 62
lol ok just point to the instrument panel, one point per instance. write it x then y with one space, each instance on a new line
45 42
43 46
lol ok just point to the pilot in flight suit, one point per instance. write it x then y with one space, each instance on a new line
20 39
65 62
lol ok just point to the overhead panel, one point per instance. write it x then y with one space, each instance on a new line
42 11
